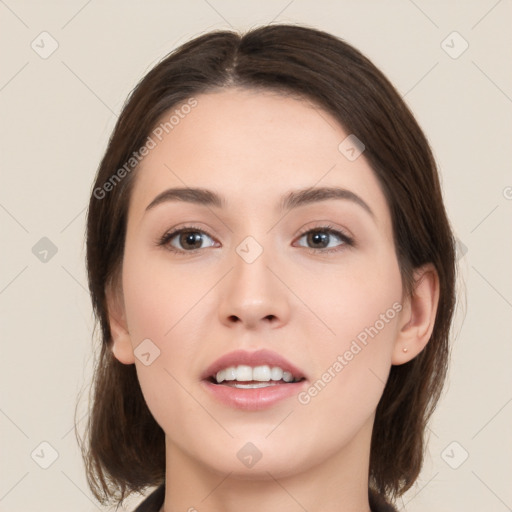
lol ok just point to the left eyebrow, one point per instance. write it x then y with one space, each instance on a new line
292 200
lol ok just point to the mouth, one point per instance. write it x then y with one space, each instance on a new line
252 380
252 368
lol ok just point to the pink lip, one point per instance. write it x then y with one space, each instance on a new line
253 399
257 358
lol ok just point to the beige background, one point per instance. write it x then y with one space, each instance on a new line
57 114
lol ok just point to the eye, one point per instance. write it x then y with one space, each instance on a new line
323 237
186 239
189 239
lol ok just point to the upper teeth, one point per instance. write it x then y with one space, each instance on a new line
247 373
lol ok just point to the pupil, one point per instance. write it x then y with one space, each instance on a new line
192 238
319 237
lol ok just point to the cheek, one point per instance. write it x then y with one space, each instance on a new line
158 296
162 311
351 362
349 299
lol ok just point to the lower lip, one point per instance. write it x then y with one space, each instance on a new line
254 399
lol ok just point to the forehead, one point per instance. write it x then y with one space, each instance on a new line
251 147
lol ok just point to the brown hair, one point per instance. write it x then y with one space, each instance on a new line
124 451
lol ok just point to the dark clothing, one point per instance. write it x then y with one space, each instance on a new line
155 500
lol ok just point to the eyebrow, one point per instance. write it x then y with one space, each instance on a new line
291 200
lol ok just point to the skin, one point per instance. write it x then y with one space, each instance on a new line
252 148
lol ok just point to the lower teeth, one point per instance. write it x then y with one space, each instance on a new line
234 384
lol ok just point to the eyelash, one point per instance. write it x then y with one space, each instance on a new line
167 237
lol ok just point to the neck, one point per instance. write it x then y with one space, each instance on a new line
336 483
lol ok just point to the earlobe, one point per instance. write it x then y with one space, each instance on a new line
418 316
121 341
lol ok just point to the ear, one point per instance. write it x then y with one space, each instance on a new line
121 342
418 315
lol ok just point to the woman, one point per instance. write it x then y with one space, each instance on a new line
272 268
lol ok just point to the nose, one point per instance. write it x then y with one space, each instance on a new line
254 296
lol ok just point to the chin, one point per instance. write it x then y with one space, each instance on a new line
263 469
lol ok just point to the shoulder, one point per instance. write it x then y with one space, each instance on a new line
153 502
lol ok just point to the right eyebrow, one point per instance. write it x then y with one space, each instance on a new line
200 196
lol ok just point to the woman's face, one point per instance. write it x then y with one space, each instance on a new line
316 282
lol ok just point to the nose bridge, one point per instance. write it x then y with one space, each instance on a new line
252 292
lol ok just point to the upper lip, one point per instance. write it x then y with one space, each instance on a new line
256 358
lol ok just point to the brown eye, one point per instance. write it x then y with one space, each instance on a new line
190 239
316 238
325 239
185 240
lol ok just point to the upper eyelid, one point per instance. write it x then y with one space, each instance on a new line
328 228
